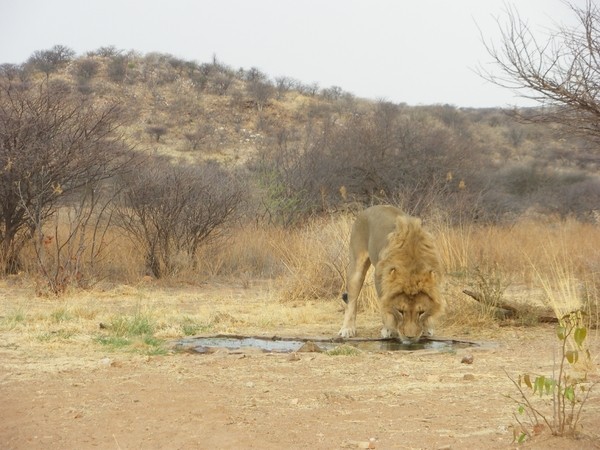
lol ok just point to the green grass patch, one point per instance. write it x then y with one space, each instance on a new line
61 315
137 325
11 321
134 334
343 350
190 329
53 335
114 342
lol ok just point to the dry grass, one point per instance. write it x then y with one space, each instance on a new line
277 281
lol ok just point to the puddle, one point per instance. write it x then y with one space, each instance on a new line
207 344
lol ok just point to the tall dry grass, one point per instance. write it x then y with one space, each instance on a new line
553 263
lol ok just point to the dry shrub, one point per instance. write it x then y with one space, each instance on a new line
310 261
462 314
560 258
520 248
316 260
246 252
119 260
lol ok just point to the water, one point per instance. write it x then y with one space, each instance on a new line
286 345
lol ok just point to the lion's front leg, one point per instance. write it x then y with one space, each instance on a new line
349 327
357 269
390 325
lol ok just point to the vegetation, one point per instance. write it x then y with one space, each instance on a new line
166 156
343 350
121 171
561 73
568 389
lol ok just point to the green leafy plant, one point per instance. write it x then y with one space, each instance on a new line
568 392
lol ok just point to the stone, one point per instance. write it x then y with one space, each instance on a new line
310 347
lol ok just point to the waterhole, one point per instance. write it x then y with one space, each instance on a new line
277 344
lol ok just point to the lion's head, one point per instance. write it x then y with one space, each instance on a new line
408 276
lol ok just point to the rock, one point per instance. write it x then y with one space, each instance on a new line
293 357
250 384
361 444
468 377
467 359
294 401
310 347
201 349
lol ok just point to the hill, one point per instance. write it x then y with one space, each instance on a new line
174 151
311 141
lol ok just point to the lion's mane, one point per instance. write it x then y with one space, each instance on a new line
409 264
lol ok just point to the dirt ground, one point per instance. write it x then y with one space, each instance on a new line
79 397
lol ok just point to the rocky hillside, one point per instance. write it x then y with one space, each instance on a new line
307 148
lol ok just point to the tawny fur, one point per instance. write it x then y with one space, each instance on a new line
407 272
407 261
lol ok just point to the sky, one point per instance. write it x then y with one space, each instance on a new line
418 52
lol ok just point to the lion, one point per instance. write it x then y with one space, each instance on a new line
407 273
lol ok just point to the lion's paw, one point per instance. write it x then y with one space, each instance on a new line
387 333
347 332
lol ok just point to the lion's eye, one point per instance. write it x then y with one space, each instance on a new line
421 314
401 311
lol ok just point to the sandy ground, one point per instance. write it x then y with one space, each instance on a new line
79 397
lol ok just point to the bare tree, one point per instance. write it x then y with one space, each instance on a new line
261 92
312 89
107 52
255 75
157 131
53 142
49 61
87 68
332 93
196 138
284 84
117 68
10 71
172 209
221 82
562 73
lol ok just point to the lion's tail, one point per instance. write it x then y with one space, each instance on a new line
345 297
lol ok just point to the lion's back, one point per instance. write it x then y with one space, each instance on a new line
372 227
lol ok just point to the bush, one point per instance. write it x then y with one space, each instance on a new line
171 210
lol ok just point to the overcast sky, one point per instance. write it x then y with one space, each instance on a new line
412 51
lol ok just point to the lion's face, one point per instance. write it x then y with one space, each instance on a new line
407 315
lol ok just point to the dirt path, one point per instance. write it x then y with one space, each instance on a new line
262 401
